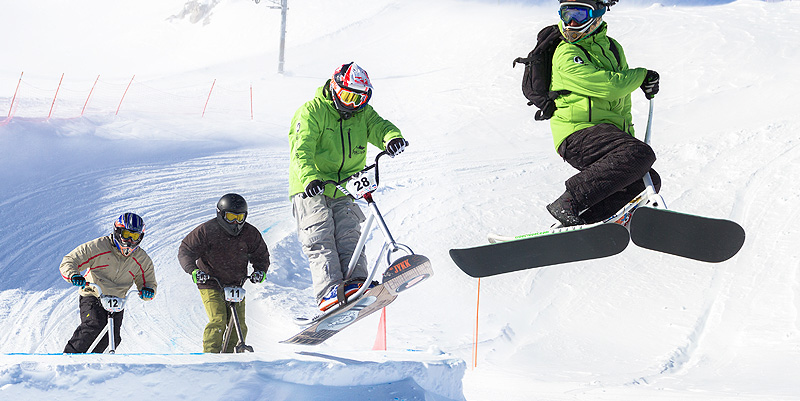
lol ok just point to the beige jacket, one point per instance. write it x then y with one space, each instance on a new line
101 263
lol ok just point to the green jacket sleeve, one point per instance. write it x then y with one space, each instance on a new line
573 73
380 131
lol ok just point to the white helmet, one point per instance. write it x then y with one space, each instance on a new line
350 89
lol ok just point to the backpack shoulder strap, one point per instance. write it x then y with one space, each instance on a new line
588 57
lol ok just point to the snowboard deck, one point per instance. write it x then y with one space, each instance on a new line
544 249
695 237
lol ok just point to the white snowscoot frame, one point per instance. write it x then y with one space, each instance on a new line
233 294
361 185
112 305
648 197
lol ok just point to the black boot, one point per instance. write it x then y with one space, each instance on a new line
565 209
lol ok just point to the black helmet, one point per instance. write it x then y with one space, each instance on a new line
231 213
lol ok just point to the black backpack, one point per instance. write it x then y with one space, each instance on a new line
539 70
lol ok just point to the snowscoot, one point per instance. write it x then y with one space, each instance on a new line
400 274
646 220
233 294
112 305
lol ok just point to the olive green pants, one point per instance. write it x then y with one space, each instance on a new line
219 314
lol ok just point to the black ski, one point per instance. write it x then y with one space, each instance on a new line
694 237
545 249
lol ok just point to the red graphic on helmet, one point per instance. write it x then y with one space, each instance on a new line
350 87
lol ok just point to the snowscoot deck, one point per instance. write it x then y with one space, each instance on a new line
686 235
406 272
542 249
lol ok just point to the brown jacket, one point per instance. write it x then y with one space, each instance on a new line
102 263
209 248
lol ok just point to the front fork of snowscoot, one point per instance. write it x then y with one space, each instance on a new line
112 347
240 346
411 269
653 199
119 303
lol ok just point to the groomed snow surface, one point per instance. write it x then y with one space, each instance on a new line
150 139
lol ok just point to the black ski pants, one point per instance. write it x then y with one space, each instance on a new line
612 164
93 320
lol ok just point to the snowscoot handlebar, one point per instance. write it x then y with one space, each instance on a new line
241 283
360 187
109 302
232 292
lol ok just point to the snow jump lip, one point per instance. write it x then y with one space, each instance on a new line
301 375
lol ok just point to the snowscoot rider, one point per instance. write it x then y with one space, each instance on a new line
592 126
114 263
222 247
328 137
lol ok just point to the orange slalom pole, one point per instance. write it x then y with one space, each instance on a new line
13 99
380 339
208 98
125 93
90 95
54 97
475 341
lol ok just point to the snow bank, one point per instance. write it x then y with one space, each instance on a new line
301 376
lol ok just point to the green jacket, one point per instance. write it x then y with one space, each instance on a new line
601 88
326 147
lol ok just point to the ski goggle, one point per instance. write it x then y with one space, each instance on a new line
351 99
579 14
234 217
130 235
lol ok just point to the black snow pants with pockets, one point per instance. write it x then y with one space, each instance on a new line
93 320
612 164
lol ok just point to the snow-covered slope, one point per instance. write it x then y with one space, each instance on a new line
637 325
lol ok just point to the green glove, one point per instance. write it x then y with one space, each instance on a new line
199 276
258 276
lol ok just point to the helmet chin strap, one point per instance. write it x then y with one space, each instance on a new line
119 247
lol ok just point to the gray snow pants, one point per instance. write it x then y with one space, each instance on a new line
612 164
328 230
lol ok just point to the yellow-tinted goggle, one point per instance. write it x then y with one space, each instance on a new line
131 235
352 98
234 217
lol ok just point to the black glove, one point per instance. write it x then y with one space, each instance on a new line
314 188
396 146
199 276
650 84
258 276
78 280
147 293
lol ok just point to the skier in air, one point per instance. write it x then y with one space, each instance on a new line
114 263
592 126
328 138
222 248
